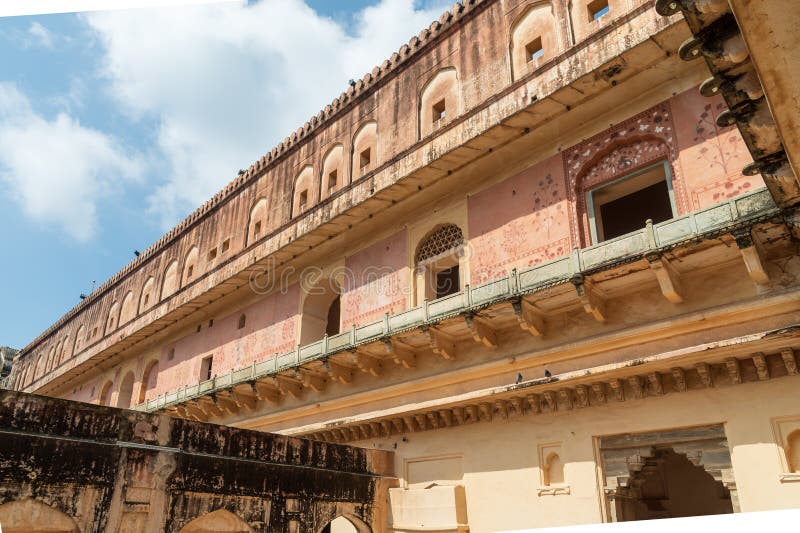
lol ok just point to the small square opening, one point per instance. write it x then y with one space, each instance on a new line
303 202
226 244
257 228
597 9
364 159
205 367
212 254
534 50
625 205
189 271
146 299
332 180
439 111
447 282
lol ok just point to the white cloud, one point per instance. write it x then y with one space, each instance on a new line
41 35
226 82
58 170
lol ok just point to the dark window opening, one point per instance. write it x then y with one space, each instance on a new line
171 354
364 159
146 299
212 254
439 110
226 244
597 9
189 271
447 282
242 321
334 316
205 368
534 49
303 203
625 205
211 322
257 228
332 180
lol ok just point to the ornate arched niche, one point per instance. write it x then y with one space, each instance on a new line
257 225
365 149
634 146
535 38
305 191
439 101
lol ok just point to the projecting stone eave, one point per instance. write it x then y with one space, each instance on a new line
576 77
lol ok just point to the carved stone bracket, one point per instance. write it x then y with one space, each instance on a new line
591 301
529 318
752 255
482 332
668 278
441 343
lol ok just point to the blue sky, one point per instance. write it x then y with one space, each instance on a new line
116 125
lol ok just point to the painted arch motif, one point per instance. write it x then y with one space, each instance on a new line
29 515
219 521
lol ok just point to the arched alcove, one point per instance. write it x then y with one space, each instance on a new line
439 101
535 39
332 177
553 470
77 345
51 357
105 394
305 191
439 262
33 516
219 521
346 524
317 310
190 265
257 225
125 391
149 380
147 297
128 309
111 318
365 149
171 280
793 451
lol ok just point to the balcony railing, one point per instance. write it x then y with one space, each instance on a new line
708 222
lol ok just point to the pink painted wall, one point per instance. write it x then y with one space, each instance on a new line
519 222
270 327
710 158
376 281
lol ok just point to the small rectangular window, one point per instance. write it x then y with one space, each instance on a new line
146 299
332 180
211 322
171 354
257 228
534 49
212 254
439 110
624 205
598 8
205 367
189 271
303 203
447 282
364 160
226 244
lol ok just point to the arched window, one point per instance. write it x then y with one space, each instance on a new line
365 148
171 279
305 191
125 391
314 323
333 326
128 309
256 227
111 319
147 298
332 177
105 394
535 39
242 321
438 262
439 101
190 265
149 381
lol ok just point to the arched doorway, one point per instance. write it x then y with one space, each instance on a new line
321 312
439 263
33 516
345 524
125 391
668 485
219 521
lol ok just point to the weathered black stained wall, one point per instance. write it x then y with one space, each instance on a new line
112 469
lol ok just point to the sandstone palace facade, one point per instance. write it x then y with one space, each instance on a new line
545 255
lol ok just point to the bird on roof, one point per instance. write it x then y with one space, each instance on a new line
547 373
519 378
